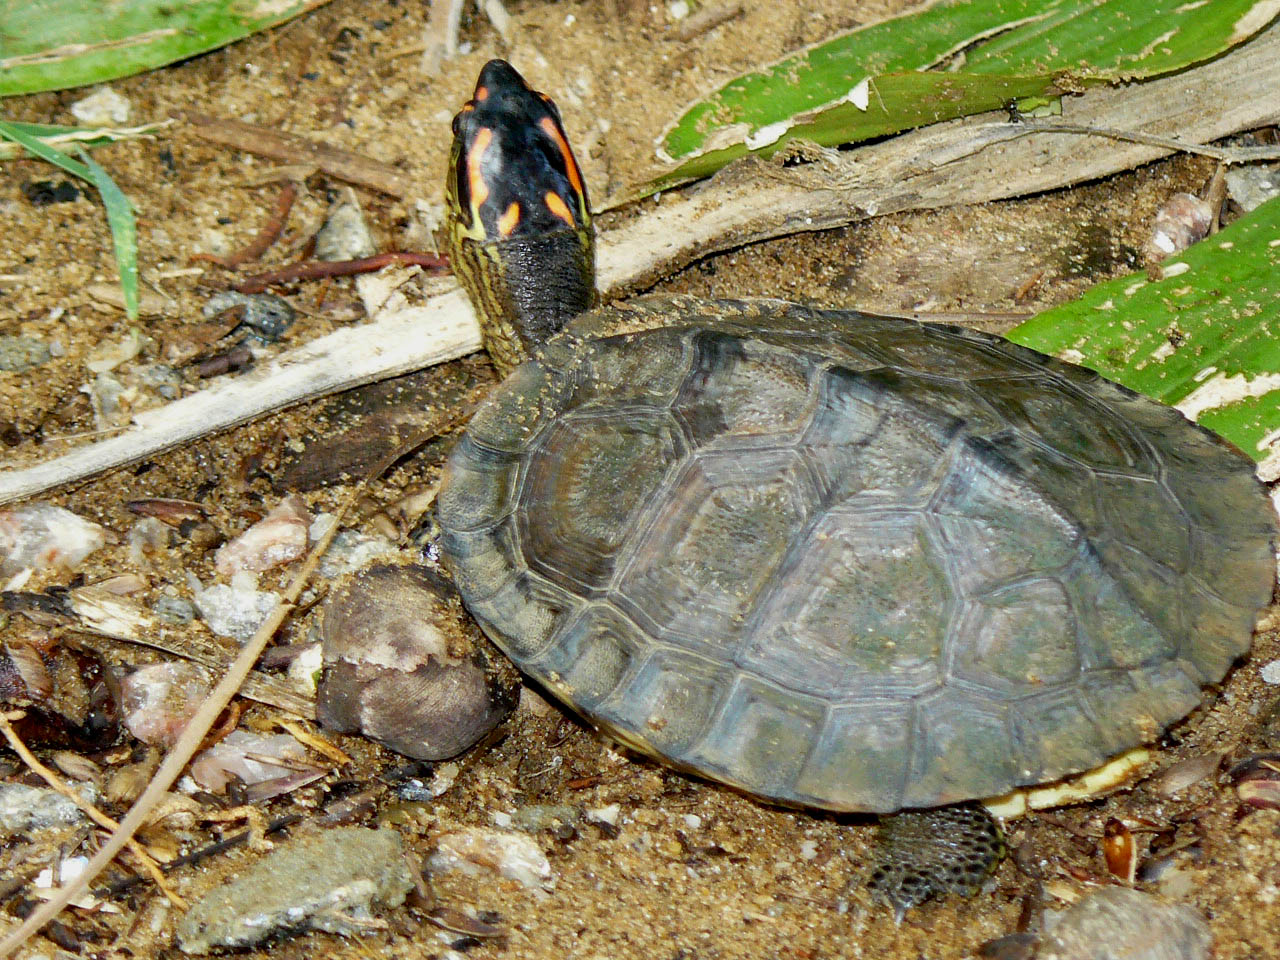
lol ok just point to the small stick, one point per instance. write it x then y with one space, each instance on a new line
268 235
440 35
708 18
1225 154
96 815
315 269
342 164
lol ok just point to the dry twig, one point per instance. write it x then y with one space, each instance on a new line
316 269
342 164
268 235
89 810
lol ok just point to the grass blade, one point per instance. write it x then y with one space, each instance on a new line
119 210
56 135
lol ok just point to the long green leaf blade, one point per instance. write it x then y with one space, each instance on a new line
1064 44
55 44
55 135
124 234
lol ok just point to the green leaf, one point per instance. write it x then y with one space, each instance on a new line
120 217
55 44
918 99
55 135
1046 46
1205 338
124 232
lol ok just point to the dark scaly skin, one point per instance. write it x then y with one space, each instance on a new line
528 274
922 854
518 223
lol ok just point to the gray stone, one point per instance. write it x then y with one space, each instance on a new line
1251 186
1116 923
326 881
22 353
24 808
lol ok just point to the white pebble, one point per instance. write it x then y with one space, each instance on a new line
234 612
278 538
607 814
41 536
68 870
102 108
515 856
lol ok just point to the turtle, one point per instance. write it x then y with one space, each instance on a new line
832 559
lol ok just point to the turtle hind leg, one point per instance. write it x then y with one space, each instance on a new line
922 854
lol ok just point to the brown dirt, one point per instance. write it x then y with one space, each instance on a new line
695 871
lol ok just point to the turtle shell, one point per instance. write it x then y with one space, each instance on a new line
847 561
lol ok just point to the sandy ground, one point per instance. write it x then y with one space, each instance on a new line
695 871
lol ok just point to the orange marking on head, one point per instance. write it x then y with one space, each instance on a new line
551 130
468 107
475 179
507 222
557 207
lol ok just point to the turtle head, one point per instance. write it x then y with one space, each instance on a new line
518 225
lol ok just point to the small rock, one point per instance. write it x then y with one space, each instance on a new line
345 235
349 551
102 108
41 536
278 538
509 854
267 315
404 665
177 611
1252 185
545 817
607 815
159 699
1181 221
304 669
327 881
1116 923
1271 672
163 379
147 537
110 400
22 353
442 778
1014 946
24 808
235 610
108 356
68 870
